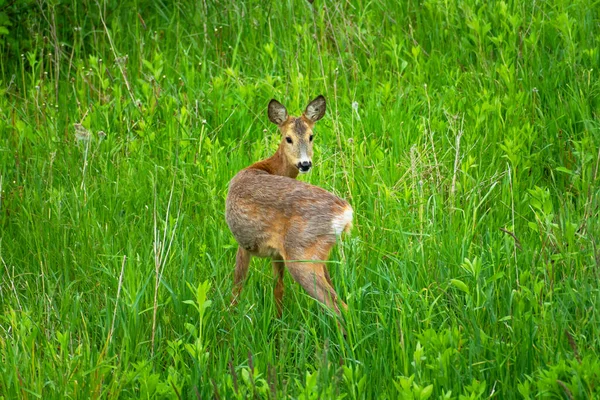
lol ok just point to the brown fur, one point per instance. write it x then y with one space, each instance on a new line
273 215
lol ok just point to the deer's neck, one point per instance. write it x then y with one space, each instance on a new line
277 164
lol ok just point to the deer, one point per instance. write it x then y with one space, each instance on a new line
271 214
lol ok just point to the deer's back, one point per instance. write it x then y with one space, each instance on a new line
267 213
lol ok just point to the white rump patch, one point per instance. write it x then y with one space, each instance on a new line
343 221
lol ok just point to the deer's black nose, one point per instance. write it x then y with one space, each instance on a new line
304 166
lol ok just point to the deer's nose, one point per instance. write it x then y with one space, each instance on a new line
304 166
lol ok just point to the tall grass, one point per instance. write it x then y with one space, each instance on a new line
464 134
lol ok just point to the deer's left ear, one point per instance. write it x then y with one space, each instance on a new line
277 112
316 109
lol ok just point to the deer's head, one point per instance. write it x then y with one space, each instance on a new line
297 132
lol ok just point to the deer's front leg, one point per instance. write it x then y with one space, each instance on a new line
242 261
278 270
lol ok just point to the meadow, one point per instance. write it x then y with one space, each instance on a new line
466 136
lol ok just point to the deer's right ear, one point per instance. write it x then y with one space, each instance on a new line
316 109
277 112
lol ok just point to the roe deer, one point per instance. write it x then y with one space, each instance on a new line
271 214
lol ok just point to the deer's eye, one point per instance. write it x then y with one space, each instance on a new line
310 138
288 139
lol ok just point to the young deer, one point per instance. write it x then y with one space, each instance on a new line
271 214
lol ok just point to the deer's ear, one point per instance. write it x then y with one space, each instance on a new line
316 109
277 112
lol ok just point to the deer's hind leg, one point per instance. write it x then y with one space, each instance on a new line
308 269
344 305
242 261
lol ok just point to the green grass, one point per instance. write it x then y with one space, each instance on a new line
466 136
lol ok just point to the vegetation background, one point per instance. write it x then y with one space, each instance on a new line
464 134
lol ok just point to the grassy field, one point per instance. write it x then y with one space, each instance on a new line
466 135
